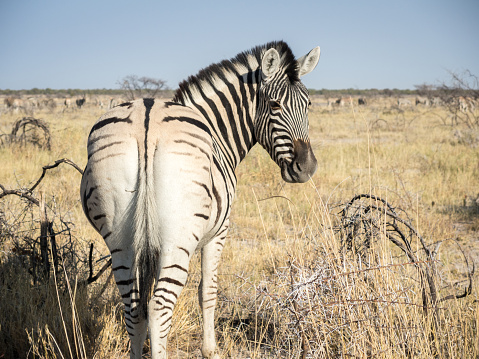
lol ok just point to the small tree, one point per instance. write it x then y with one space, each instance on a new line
139 87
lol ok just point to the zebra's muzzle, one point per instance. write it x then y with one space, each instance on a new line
303 166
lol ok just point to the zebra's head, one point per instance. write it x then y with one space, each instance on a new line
282 117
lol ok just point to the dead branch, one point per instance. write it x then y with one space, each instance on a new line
92 278
27 192
23 193
470 274
56 164
44 237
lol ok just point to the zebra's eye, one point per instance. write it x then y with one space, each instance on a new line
309 103
275 105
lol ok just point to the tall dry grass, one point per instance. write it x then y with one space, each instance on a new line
288 287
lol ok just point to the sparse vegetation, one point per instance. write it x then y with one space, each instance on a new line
300 277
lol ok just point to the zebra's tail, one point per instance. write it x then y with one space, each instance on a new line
146 242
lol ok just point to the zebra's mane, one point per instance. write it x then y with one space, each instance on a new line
244 61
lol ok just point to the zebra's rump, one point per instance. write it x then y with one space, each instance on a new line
170 149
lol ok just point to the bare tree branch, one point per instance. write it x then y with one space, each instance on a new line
56 164
27 192
24 193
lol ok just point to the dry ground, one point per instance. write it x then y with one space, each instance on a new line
287 282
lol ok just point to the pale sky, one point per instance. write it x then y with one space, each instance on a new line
364 44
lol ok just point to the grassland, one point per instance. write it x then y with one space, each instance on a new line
288 283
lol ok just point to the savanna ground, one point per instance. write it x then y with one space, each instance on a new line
301 277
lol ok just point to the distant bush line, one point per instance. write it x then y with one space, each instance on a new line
169 92
324 92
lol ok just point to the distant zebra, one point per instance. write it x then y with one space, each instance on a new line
333 102
423 101
67 103
466 104
160 178
403 102
14 104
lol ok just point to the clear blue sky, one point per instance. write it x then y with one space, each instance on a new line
364 44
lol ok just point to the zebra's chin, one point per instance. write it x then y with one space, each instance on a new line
302 166
290 175
287 173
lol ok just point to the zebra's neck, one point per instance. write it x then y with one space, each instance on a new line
225 94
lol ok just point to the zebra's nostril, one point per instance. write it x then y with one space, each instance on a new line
298 167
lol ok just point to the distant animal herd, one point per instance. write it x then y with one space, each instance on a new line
31 104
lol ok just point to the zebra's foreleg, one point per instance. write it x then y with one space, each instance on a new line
207 292
136 326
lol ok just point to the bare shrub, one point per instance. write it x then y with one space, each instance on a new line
45 269
363 284
28 130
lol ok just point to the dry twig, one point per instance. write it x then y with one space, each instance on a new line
47 238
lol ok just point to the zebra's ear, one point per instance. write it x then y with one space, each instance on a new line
270 63
308 62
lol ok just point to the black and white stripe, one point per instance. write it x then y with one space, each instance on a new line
160 178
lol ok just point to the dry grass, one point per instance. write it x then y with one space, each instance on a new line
286 283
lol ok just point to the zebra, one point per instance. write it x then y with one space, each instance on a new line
67 103
466 104
160 178
403 102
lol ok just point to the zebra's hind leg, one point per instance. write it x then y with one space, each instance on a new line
173 273
136 324
207 292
